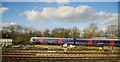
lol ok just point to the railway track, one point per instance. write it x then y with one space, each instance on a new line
62 52
59 54
113 57
62 55
54 49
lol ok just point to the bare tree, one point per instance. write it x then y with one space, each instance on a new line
90 31
75 32
13 30
112 31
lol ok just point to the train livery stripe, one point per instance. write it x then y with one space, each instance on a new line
111 42
89 42
59 41
41 40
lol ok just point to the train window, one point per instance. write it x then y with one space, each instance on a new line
46 40
37 40
104 41
79 41
85 41
52 41
71 40
95 41
118 42
100 41
64 41
107 42
82 41
33 39
67 41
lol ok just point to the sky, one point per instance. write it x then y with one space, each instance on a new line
50 15
60 0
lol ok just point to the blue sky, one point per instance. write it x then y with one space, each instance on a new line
16 13
65 0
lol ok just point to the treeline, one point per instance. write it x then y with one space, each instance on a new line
21 34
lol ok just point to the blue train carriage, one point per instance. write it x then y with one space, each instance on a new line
98 42
51 41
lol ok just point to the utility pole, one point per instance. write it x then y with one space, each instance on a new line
74 38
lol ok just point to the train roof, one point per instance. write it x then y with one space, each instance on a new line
97 39
73 38
51 38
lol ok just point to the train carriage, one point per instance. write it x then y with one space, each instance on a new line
52 41
77 41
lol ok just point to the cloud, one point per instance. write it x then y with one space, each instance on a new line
3 9
63 13
71 14
60 2
109 18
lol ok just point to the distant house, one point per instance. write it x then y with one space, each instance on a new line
5 42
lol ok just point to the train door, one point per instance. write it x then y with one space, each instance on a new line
41 40
59 41
89 42
111 42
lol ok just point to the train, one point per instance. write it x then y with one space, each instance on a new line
75 41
